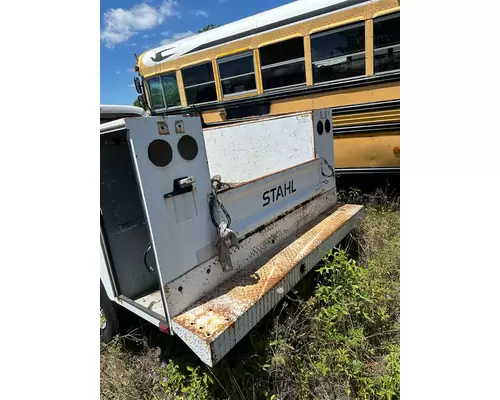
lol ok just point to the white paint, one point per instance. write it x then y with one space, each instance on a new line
245 203
179 225
106 278
293 9
107 109
250 150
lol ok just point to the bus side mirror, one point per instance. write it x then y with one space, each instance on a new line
137 84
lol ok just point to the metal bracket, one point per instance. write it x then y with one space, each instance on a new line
181 186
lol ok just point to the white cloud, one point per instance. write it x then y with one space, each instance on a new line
145 36
201 13
117 72
166 33
133 44
167 8
176 36
120 24
131 85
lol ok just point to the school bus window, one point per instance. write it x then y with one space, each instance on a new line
282 64
386 47
164 92
199 83
171 90
156 94
237 74
338 53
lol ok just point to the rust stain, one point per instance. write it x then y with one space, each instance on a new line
220 309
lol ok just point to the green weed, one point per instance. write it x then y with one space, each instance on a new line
335 337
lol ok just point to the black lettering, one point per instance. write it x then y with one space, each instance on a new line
280 192
272 191
293 189
287 188
266 198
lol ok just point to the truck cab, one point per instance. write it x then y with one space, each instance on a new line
111 112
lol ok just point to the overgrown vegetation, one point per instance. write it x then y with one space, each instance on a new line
344 341
335 337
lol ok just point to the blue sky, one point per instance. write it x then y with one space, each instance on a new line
133 26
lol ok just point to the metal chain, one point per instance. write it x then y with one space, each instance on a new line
333 174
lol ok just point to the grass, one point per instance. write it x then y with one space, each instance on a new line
336 336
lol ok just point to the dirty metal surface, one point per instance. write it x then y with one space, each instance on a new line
204 278
213 325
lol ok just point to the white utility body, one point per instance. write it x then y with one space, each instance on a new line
222 252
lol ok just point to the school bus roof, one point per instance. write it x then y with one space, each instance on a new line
287 14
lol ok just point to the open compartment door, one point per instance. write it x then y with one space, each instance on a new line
172 172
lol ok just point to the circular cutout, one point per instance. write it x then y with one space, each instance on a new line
179 289
188 148
160 153
302 268
327 126
319 127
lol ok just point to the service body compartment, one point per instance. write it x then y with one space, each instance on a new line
223 252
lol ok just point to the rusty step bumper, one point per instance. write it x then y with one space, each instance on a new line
213 326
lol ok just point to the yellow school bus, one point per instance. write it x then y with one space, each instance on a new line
305 55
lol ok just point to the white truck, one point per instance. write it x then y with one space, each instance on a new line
204 231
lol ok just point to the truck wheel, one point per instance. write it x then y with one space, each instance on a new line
109 320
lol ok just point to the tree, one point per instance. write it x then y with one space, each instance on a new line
137 103
207 28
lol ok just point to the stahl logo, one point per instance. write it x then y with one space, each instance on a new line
270 196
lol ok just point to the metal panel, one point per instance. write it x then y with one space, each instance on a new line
179 225
123 218
106 277
218 321
358 151
256 203
247 151
205 277
138 310
310 187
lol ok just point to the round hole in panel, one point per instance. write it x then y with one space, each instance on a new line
327 126
319 127
188 148
160 153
